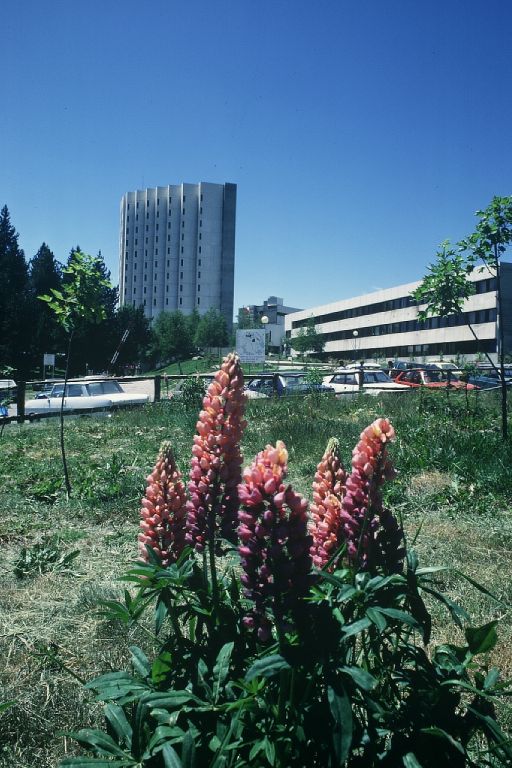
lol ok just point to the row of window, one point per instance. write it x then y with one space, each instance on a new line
158 201
448 349
166 302
481 286
136 253
408 326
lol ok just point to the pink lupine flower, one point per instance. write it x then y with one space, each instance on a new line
371 532
163 513
215 470
328 491
274 542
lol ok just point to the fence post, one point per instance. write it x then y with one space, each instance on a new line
20 400
158 388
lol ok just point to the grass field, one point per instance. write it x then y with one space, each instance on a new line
61 558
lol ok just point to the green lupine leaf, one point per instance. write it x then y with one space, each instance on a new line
161 667
402 616
188 750
341 710
266 667
356 628
409 760
441 734
221 668
269 750
361 678
160 615
99 741
171 758
119 723
140 661
482 639
377 618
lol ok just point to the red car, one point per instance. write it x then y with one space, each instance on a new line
432 378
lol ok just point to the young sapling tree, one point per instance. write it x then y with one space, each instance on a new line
80 298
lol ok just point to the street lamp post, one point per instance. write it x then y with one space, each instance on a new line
264 322
355 334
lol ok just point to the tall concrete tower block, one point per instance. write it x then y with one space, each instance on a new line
177 249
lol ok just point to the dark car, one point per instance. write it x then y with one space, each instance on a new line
284 383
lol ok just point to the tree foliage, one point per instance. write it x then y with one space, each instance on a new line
447 286
171 336
15 314
212 330
308 339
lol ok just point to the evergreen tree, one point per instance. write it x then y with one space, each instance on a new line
15 317
45 273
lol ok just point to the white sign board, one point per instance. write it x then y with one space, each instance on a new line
48 359
250 345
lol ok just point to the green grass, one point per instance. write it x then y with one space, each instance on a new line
453 491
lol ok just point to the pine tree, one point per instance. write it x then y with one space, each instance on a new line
14 299
45 273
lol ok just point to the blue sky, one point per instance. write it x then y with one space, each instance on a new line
361 133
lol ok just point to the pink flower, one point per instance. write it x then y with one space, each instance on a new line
162 523
371 532
275 544
215 469
328 490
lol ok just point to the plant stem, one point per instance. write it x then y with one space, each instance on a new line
62 447
211 554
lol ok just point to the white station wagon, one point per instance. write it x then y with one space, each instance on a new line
84 395
375 381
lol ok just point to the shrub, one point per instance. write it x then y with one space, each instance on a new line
307 644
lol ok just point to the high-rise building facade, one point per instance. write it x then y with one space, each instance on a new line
177 249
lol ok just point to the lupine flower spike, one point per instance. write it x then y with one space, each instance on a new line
328 491
275 543
372 534
216 459
163 513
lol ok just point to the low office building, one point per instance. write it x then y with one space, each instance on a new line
275 312
385 325
177 249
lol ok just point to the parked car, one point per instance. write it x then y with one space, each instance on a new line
84 395
433 378
494 373
441 365
485 382
374 381
285 383
8 389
